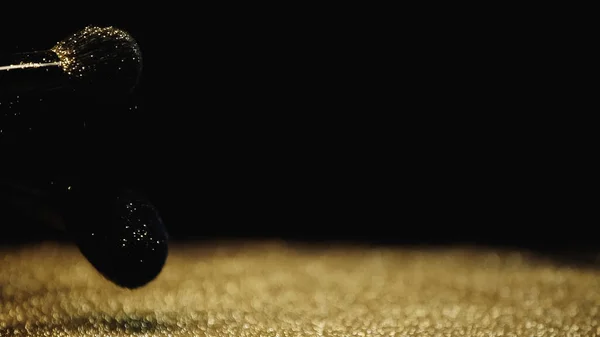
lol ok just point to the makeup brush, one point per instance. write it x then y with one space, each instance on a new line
101 60
117 229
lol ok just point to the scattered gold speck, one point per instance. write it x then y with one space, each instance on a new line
277 290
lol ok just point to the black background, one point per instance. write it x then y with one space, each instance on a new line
294 127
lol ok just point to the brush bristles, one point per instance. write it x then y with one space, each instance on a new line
101 54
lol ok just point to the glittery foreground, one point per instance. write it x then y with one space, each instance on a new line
276 290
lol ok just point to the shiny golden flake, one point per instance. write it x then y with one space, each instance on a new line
279 290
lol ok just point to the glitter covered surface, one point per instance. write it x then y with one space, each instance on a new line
278 290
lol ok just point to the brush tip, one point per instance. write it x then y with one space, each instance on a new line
104 59
122 236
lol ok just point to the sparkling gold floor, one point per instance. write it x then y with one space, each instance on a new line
277 290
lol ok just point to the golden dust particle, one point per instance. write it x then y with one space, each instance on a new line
281 290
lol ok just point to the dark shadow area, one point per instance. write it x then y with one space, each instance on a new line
296 134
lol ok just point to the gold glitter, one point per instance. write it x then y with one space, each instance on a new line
278 290
84 51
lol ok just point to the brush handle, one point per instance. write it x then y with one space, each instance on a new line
23 73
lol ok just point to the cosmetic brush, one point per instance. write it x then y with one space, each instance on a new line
117 229
96 60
